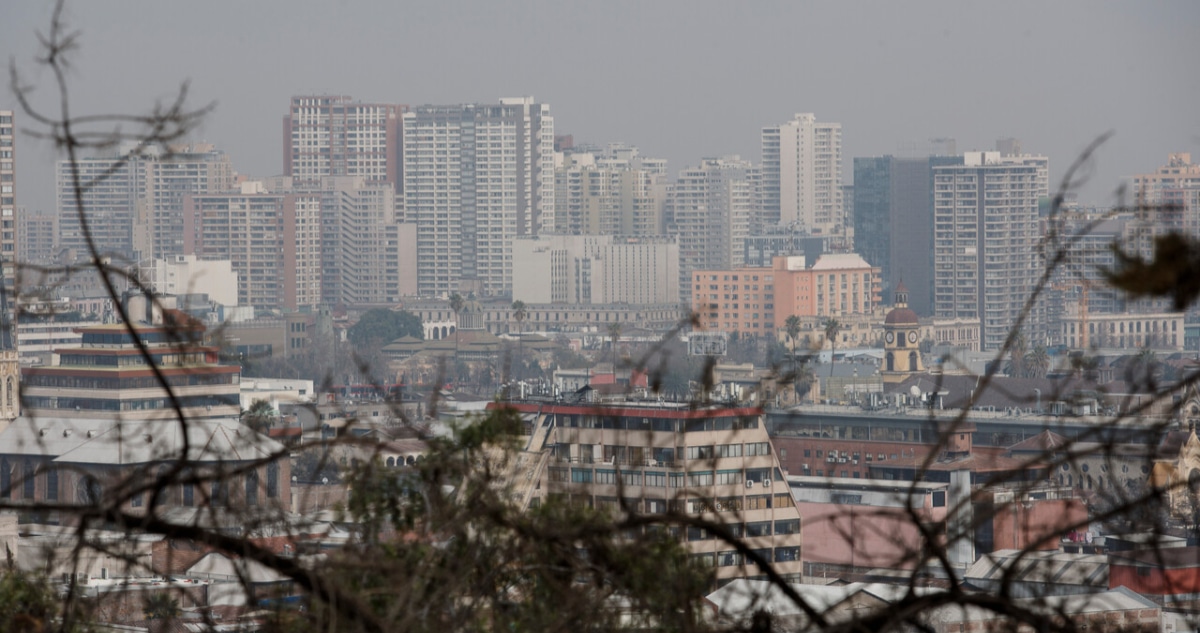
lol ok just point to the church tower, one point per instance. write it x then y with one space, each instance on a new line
10 372
901 340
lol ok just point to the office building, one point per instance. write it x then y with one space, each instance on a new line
986 232
596 269
8 200
476 177
713 462
106 375
710 210
893 219
802 174
337 136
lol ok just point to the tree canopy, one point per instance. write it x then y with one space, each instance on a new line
380 326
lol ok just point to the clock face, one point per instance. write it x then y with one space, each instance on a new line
891 338
912 337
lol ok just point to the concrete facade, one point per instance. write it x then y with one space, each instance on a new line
476 177
985 242
596 269
802 174
337 136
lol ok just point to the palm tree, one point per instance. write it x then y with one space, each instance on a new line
1037 362
456 305
832 328
614 334
792 327
519 313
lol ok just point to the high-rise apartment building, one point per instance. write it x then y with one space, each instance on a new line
596 195
111 187
37 233
132 198
197 169
272 239
802 174
711 209
893 220
476 176
368 255
8 200
1168 183
337 136
986 262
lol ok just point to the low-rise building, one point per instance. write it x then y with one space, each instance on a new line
713 462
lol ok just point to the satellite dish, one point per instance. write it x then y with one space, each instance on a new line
915 391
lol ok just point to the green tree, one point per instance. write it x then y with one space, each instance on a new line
379 326
28 604
832 328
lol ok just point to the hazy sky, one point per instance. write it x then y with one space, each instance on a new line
681 80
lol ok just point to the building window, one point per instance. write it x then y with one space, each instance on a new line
52 484
252 488
272 480
27 483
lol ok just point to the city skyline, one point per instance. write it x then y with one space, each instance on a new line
892 83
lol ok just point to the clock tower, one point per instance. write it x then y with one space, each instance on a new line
901 340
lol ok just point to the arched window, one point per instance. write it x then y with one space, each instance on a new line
891 362
28 481
52 484
391 462
252 488
89 490
8 392
273 480
912 361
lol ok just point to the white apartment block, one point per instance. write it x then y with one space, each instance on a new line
802 174
711 208
596 269
985 242
337 136
608 196
475 178
8 200
369 256
111 187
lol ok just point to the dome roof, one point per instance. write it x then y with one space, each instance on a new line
901 316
